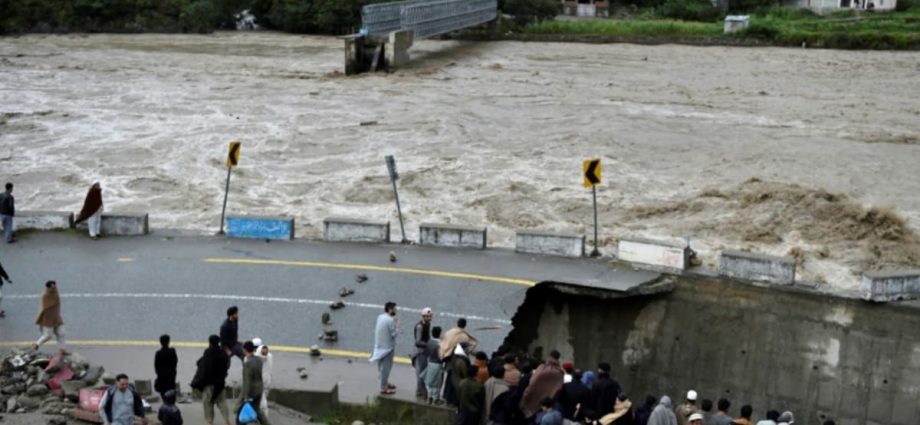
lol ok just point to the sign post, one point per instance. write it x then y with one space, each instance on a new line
394 175
233 159
592 177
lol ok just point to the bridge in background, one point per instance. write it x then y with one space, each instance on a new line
389 29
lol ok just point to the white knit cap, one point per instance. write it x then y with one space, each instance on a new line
691 395
257 342
426 310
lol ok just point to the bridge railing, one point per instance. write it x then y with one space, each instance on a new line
425 18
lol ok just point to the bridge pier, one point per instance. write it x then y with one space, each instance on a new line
363 54
397 50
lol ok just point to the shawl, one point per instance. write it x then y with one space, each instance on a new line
663 415
92 203
545 383
621 408
49 313
454 337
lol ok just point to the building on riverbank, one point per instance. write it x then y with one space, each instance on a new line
590 8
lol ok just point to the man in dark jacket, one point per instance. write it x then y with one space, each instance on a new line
210 379
229 334
7 211
164 364
252 387
121 403
606 390
573 394
422 333
472 399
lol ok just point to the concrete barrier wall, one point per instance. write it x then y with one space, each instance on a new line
340 229
123 224
313 403
256 227
42 220
410 412
744 265
452 236
891 285
566 245
657 254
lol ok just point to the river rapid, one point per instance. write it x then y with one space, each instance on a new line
486 134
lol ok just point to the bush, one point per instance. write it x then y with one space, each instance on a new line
689 10
531 11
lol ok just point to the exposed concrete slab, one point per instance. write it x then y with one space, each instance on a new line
260 227
657 254
449 235
891 285
562 244
43 220
342 229
745 265
397 50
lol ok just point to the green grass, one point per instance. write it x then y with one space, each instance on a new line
634 27
778 26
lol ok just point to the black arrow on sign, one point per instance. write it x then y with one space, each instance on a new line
590 172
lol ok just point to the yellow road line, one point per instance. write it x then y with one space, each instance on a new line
368 267
181 344
125 260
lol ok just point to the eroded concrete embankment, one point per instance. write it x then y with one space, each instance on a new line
818 356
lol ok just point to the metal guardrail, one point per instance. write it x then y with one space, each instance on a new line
426 18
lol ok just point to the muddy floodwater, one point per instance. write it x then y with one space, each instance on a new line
782 151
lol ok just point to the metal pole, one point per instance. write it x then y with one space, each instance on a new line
595 253
399 210
224 209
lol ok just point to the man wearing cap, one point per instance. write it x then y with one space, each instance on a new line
696 419
687 408
422 334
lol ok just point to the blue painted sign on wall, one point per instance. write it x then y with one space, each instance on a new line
260 227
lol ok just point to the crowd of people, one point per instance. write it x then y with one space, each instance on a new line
507 389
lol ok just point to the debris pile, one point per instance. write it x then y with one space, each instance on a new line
38 382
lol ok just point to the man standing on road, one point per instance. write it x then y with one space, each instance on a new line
263 352
49 318
165 362
229 334
7 211
385 346
121 403
252 383
422 334
92 210
3 276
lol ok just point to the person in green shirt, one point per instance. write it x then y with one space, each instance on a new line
472 399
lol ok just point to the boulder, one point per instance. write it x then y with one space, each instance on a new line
13 388
57 420
53 408
11 405
37 390
93 373
27 403
143 387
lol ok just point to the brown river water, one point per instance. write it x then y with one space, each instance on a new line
777 150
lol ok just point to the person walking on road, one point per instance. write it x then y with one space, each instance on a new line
263 352
121 403
422 333
92 210
252 388
164 364
229 334
49 318
210 379
3 276
385 346
7 211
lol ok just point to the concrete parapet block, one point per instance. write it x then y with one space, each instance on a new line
452 236
122 224
397 50
312 402
340 229
42 220
891 285
657 254
745 265
566 245
257 227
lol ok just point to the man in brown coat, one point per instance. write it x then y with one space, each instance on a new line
49 318
545 382
92 211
